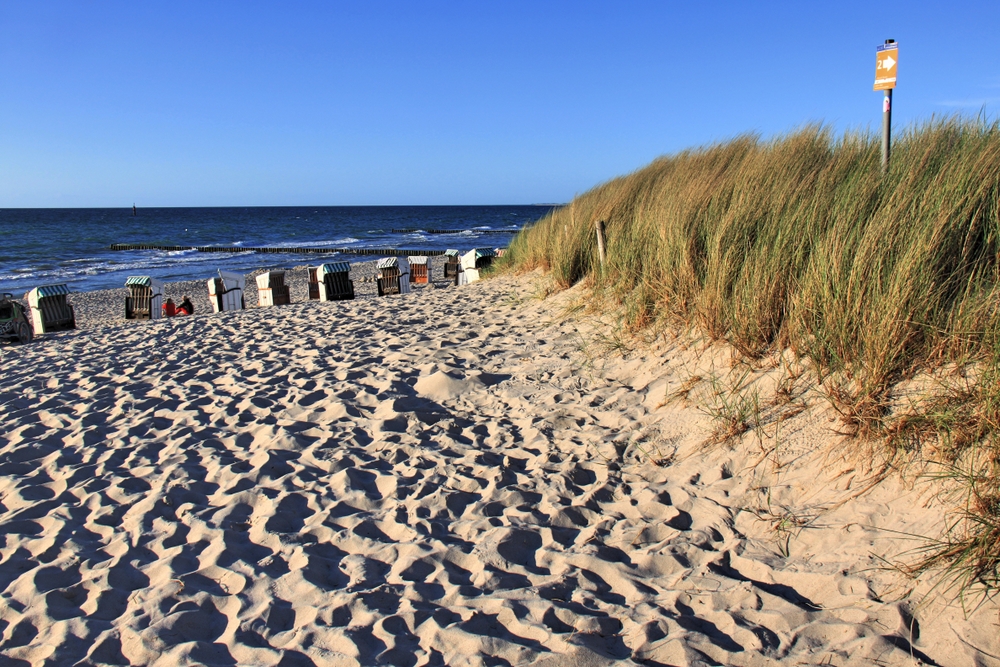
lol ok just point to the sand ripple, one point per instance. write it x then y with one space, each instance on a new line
429 480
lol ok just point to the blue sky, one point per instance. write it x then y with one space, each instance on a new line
380 103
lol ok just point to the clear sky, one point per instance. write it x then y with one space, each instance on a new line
423 102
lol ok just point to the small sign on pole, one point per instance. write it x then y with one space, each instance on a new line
886 61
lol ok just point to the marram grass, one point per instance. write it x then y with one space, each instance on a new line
801 242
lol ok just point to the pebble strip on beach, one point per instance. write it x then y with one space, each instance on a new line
103 308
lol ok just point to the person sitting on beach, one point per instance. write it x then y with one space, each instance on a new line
169 310
186 307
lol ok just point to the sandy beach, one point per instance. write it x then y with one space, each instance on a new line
459 476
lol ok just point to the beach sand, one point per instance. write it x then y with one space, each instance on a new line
458 476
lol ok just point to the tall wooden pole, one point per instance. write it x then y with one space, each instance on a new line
887 124
886 130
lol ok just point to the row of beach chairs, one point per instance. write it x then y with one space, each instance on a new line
327 282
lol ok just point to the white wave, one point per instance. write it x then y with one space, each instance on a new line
316 244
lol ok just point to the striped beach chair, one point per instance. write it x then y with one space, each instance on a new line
420 270
226 292
336 284
49 310
394 276
272 290
473 262
144 300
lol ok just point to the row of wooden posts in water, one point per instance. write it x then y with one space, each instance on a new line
51 312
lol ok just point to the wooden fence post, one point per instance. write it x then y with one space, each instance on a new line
600 242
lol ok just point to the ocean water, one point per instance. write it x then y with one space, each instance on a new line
72 246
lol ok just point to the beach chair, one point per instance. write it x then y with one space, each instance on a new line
314 280
394 276
336 284
272 290
226 292
501 251
451 265
49 310
144 300
473 262
420 270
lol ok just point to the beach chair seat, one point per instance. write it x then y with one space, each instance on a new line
144 298
226 292
49 309
272 290
420 270
394 276
336 284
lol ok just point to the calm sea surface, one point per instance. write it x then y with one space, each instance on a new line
71 246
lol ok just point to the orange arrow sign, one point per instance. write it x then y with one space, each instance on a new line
886 59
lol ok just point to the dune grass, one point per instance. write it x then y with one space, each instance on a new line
800 242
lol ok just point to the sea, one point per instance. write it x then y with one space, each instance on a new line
73 246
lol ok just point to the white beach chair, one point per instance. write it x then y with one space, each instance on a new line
472 262
226 291
394 276
272 290
49 310
144 300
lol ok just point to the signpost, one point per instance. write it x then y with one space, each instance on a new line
886 61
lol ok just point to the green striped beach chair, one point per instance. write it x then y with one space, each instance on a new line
144 300
49 310
334 281
451 265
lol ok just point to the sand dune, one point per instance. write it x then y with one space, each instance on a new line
453 477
